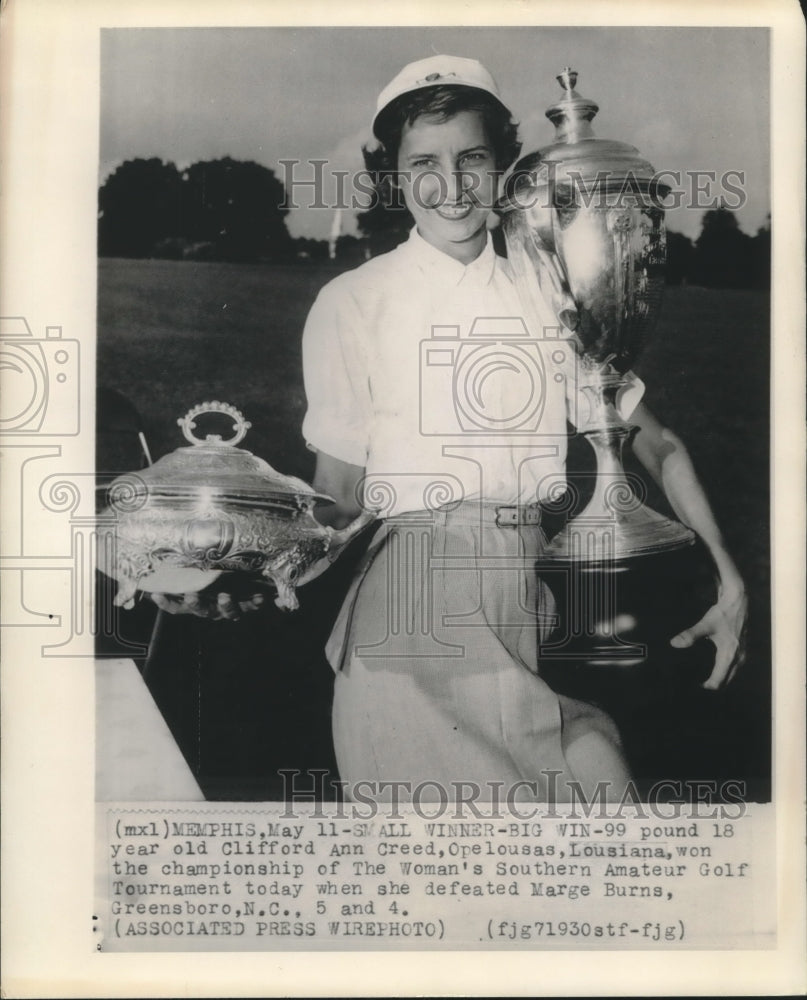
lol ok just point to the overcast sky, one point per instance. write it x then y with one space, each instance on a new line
689 99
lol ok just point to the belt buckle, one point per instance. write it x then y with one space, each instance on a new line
512 517
506 517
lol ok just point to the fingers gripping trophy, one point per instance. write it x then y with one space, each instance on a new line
584 227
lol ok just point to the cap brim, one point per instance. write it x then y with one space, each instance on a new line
382 113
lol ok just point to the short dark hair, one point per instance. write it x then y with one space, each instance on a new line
439 102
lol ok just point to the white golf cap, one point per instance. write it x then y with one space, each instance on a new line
437 71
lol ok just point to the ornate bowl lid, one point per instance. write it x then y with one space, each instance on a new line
219 471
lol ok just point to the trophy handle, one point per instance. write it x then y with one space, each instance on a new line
240 424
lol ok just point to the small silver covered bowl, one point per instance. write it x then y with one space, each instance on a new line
211 508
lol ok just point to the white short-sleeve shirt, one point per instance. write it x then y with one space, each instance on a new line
425 372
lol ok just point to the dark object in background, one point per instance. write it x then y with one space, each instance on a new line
120 440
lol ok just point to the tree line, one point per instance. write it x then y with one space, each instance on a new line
234 210
722 256
215 210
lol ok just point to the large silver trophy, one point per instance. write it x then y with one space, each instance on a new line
585 231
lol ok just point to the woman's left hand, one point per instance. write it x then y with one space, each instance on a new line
724 625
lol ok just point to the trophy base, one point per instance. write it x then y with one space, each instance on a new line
608 535
625 665
615 622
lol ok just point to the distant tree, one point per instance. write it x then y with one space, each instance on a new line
306 248
170 248
236 206
761 256
680 254
138 206
384 226
350 250
723 253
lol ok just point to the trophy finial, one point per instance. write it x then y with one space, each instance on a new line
567 79
572 115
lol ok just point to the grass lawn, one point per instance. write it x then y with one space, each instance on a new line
171 334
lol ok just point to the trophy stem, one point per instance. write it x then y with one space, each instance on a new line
615 525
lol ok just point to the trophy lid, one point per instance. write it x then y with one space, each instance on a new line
217 470
577 156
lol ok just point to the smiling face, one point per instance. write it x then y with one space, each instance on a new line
449 181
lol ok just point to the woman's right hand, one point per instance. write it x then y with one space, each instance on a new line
215 606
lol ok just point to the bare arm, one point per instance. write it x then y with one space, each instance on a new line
665 457
339 480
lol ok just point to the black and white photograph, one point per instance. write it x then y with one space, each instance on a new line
613 448
426 556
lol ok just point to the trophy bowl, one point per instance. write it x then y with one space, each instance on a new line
212 508
584 227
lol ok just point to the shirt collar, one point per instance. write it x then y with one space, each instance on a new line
445 269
